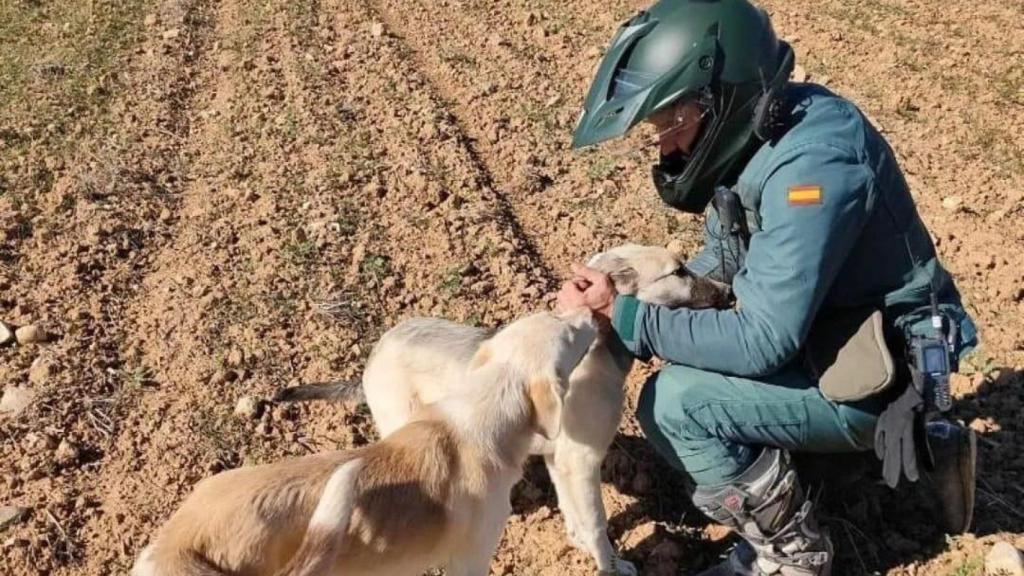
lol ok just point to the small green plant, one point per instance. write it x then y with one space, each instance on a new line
136 378
284 305
375 266
300 252
452 282
602 168
453 56
971 567
347 224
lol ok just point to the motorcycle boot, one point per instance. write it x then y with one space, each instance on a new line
767 507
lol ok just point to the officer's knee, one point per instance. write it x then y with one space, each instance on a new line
668 402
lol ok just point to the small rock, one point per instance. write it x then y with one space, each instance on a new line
6 334
165 215
67 453
235 357
171 34
40 371
30 334
248 407
952 203
1004 560
10 515
799 74
995 216
16 399
376 29
149 20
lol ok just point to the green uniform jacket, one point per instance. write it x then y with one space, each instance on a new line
831 220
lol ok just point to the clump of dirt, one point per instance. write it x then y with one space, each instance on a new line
202 203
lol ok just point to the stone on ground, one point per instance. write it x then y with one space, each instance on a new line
16 399
1004 560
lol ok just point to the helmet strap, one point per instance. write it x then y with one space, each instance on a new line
766 112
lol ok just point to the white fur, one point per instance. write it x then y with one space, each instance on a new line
334 509
433 493
415 363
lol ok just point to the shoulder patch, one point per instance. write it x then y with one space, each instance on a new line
804 195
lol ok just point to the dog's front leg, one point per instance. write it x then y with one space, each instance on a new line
474 557
592 528
566 500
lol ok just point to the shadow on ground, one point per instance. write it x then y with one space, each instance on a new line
874 528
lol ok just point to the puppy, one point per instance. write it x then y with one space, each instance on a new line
417 362
434 493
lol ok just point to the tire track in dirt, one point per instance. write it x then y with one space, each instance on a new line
505 72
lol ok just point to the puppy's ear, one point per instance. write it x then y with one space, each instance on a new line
546 398
672 291
622 275
687 291
482 356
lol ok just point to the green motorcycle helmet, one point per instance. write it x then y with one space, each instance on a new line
723 54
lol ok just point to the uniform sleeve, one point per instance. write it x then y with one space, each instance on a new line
790 266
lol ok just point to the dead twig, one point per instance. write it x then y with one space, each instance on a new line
101 422
856 549
851 528
60 529
989 493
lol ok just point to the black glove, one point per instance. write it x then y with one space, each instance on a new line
895 436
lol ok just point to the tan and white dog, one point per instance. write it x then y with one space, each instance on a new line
417 361
434 493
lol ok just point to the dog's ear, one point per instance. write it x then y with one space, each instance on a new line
672 291
546 398
622 275
687 291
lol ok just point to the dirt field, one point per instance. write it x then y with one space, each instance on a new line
202 201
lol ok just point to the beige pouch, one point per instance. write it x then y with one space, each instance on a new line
846 352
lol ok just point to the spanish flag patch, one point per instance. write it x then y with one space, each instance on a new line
804 195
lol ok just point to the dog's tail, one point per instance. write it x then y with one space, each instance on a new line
338 391
327 527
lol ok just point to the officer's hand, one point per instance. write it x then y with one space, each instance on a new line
591 289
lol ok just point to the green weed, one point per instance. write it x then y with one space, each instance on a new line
971 567
301 252
452 282
375 266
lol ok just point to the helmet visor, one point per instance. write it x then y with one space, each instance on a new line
678 128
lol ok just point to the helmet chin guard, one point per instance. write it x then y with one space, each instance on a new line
678 48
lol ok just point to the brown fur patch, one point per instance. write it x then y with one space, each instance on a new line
547 406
